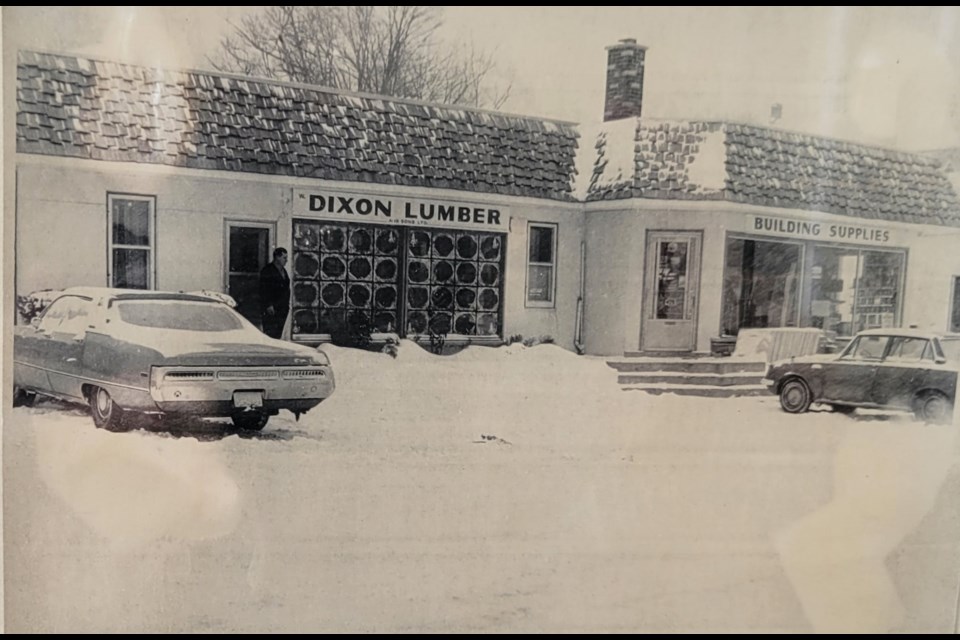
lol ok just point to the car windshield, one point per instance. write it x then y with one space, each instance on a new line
181 315
951 349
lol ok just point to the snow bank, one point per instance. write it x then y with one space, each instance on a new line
532 395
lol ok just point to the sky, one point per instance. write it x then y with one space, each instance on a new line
878 75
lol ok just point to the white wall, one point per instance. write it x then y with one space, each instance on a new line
616 242
931 266
559 321
62 230
616 236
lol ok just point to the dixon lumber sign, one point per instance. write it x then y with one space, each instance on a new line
382 209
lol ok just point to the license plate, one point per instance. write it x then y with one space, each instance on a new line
247 399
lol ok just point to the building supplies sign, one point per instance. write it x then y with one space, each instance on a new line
381 209
825 231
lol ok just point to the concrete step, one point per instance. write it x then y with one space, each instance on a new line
702 391
702 365
684 377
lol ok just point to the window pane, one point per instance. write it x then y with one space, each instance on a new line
870 347
180 315
833 284
878 290
540 283
249 247
131 222
131 268
761 285
55 314
671 280
541 244
955 316
908 349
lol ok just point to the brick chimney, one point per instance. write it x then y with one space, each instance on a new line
624 80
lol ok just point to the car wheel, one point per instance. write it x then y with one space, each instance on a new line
106 414
251 421
23 398
843 408
934 407
795 396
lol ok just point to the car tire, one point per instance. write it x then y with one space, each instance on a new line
250 421
795 396
23 398
843 408
935 408
106 414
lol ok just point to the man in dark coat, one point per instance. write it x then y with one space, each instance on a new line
275 294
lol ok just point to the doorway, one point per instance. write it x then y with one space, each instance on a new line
248 251
671 285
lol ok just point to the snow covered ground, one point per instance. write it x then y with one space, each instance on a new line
509 489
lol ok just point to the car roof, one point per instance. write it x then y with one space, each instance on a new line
108 293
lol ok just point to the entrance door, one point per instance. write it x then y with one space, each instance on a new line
671 284
248 251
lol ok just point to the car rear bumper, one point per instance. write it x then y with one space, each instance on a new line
226 390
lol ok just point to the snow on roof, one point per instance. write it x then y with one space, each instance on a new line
698 160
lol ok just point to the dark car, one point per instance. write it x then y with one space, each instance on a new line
898 369
125 352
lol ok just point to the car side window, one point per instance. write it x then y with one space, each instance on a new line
77 319
909 350
68 316
54 315
869 348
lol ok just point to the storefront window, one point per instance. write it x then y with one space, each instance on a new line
761 284
393 279
833 280
844 289
878 290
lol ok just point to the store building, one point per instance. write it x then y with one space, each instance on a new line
696 230
400 215
414 218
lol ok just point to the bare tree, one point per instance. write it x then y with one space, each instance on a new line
388 50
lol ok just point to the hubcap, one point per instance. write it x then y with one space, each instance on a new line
936 408
794 396
103 402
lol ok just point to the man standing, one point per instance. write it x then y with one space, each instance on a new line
275 294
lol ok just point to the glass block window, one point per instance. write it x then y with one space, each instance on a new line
399 279
454 282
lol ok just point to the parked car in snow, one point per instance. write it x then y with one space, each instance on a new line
881 368
127 352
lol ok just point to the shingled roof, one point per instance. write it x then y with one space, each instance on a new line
82 108
762 166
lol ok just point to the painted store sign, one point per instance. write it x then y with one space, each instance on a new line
826 231
350 206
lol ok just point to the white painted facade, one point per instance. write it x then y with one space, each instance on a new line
62 229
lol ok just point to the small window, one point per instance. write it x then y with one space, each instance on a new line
541 265
131 236
955 307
